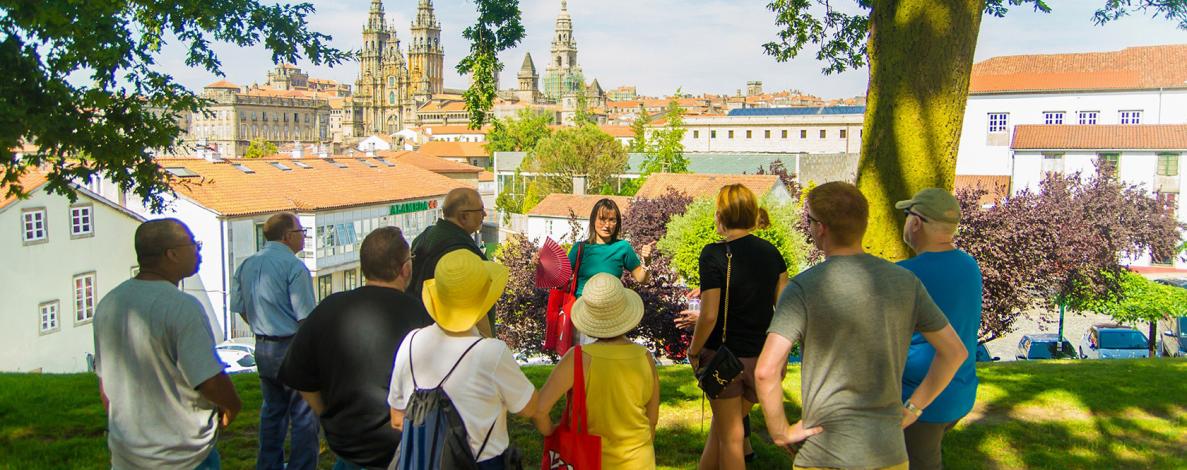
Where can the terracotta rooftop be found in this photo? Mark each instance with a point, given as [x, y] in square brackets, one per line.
[231, 192]
[700, 185]
[29, 182]
[1100, 137]
[222, 84]
[559, 205]
[1147, 67]
[459, 129]
[618, 131]
[442, 148]
[486, 176]
[998, 186]
[438, 106]
[429, 162]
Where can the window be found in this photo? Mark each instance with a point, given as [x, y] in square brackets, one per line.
[712, 134]
[823, 133]
[325, 286]
[1106, 163]
[784, 133]
[844, 133]
[1053, 117]
[349, 280]
[84, 297]
[264, 114]
[33, 226]
[1053, 163]
[1131, 117]
[82, 221]
[48, 316]
[803, 133]
[747, 134]
[730, 134]
[766, 134]
[998, 122]
[696, 134]
[1168, 164]
[1088, 117]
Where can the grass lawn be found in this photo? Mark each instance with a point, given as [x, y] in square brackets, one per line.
[1069, 414]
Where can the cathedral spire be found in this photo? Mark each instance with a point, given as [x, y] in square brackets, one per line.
[375, 16]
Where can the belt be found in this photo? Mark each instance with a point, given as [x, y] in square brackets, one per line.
[273, 338]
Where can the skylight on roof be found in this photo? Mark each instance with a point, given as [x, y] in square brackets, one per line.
[385, 162]
[243, 168]
[369, 164]
[302, 165]
[181, 172]
[280, 166]
[335, 162]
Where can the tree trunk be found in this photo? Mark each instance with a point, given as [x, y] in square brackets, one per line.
[921, 56]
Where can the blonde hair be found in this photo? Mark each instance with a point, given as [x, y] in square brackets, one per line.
[737, 208]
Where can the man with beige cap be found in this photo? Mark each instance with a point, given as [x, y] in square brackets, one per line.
[486, 381]
[622, 387]
[953, 279]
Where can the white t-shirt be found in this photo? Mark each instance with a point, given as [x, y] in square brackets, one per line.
[486, 385]
[153, 347]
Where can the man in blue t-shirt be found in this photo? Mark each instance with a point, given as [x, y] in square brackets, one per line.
[953, 279]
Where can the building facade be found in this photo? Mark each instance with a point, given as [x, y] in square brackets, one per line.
[426, 56]
[563, 76]
[828, 130]
[236, 117]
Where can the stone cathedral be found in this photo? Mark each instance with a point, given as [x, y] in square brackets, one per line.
[390, 88]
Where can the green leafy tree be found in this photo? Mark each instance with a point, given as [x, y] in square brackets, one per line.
[260, 148]
[688, 233]
[519, 133]
[639, 128]
[498, 27]
[664, 149]
[581, 115]
[1141, 300]
[920, 54]
[575, 151]
[80, 75]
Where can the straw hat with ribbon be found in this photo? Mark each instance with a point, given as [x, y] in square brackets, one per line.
[463, 289]
[606, 309]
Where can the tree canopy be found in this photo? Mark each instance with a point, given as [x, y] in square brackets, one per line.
[519, 133]
[260, 148]
[84, 87]
[498, 27]
[574, 151]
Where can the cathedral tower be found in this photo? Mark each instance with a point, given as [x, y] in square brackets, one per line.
[382, 90]
[563, 76]
[426, 57]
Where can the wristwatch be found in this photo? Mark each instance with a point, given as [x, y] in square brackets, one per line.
[915, 410]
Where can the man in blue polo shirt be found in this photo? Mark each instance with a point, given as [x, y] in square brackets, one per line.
[953, 280]
[273, 291]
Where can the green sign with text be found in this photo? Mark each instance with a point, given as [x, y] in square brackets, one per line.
[406, 207]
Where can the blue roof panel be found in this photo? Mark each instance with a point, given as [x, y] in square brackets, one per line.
[798, 111]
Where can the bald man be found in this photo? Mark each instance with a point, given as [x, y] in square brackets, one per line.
[463, 214]
[162, 385]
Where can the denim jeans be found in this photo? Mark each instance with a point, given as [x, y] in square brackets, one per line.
[212, 462]
[282, 406]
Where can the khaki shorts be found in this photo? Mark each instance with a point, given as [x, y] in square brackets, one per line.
[901, 466]
[743, 386]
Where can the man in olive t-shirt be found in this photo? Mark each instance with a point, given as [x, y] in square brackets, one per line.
[855, 314]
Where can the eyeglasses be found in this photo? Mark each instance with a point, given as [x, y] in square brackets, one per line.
[811, 219]
[481, 209]
[909, 213]
[302, 230]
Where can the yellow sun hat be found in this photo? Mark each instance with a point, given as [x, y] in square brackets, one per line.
[463, 289]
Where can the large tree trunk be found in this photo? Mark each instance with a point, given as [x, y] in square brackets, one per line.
[921, 56]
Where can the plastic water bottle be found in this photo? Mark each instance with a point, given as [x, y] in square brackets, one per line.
[694, 304]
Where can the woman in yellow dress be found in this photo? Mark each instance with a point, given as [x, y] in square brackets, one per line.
[621, 384]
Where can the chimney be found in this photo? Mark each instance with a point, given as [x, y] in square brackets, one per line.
[298, 151]
[322, 152]
[371, 149]
[579, 185]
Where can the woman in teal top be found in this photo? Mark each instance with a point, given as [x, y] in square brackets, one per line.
[604, 252]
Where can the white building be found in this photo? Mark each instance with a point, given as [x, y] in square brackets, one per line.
[60, 258]
[452, 133]
[831, 130]
[1146, 155]
[1137, 85]
[340, 199]
[556, 214]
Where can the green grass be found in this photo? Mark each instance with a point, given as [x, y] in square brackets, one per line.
[1070, 414]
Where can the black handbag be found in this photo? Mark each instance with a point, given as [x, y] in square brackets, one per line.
[724, 367]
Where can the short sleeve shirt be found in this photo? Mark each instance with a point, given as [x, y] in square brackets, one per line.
[609, 258]
[754, 276]
[855, 316]
[486, 385]
[153, 347]
[345, 351]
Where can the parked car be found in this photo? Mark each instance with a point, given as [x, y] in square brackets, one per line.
[983, 354]
[1041, 346]
[240, 358]
[1174, 337]
[1113, 342]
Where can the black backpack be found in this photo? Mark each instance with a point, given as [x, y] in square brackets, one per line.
[434, 435]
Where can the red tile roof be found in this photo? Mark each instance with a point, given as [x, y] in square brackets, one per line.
[618, 131]
[559, 205]
[437, 130]
[442, 148]
[222, 84]
[1148, 67]
[29, 182]
[1100, 137]
[429, 162]
[704, 185]
[998, 186]
[231, 192]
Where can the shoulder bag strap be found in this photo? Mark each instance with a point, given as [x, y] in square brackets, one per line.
[729, 264]
[412, 368]
[455, 364]
[578, 408]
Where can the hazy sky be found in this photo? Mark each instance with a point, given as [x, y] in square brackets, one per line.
[658, 45]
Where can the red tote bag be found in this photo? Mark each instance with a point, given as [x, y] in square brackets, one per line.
[558, 326]
[571, 446]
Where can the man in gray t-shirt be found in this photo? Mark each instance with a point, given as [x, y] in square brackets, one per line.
[160, 381]
[854, 315]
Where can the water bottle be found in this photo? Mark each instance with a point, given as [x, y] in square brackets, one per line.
[694, 304]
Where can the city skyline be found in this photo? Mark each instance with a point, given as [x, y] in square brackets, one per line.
[707, 46]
